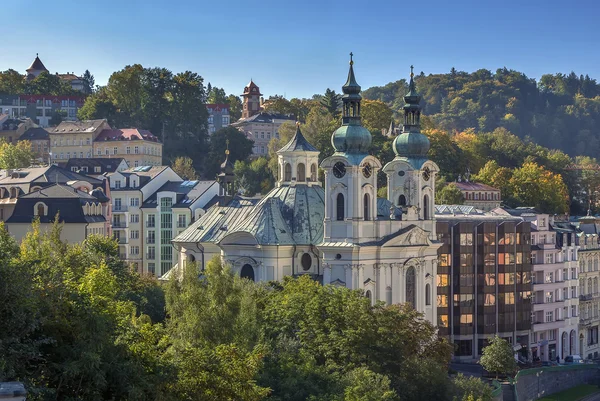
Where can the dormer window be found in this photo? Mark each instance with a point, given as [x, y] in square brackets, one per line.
[97, 169]
[40, 209]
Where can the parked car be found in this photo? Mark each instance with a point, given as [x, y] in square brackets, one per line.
[573, 359]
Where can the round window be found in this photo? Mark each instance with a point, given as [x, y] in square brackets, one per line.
[401, 173]
[306, 261]
[338, 256]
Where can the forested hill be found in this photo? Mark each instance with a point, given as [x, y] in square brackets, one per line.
[560, 111]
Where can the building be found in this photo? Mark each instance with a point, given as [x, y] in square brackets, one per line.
[251, 100]
[130, 188]
[166, 213]
[74, 139]
[483, 279]
[218, 117]
[11, 128]
[260, 128]
[96, 166]
[555, 280]
[37, 67]
[40, 143]
[480, 196]
[589, 297]
[41, 108]
[340, 234]
[137, 146]
[80, 213]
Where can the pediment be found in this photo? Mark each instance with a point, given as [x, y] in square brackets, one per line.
[409, 236]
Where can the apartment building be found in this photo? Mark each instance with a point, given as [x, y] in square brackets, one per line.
[74, 139]
[130, 188]
[483, 279]
[137, 146]
[260, 128]
[11, 128]
[166, 213]
[40, 143]
[218, 117]
[96, 166]
[478, 195]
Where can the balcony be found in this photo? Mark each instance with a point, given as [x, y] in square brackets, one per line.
[150, 224]
[586, 297]
[119, 208]
[119, 224]
[181, 225]
[123, 256]
[122, 241]
[540, 326]
[151, 240]
[150, 256]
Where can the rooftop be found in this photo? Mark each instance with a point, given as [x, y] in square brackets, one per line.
[127, 134]
[107, 165]
[34, 134]
[474, 186]
[77, 126]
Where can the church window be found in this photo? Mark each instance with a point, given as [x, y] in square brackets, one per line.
[287, 172]
[306, 262]
[410, 286]
[247, 272]
[427, 294]
[340, 207]
[313, 172]
[301, 172]
[402, 200]
[426, 207]
[369, 296]
[366, 207]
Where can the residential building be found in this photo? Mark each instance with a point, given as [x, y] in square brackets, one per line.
[480, 196]
[41, 108]
[80, 213]
[13, 106]
[37, 67]
[96, 166]
[40, 143]
[251, 103]
[483, 279]
[11, 128]
[166, 214]
[137, 146]
[74, 139]
[77, 83]
[130, 188]
[554, 288]
[339, 234]
[589, 297]
[218, 116]
[260, 128]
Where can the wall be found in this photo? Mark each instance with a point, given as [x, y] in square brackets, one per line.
[532, 384]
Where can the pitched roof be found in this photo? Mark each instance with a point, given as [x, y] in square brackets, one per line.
[77, 127]
[298, 143]
[474, 186]
[145, 171]
[130, 134]
[264, 118]
[69, 77]
[107, 165]
[186, 192]
[59, 191]
[37, 65]
[34, 134]
[47, 174]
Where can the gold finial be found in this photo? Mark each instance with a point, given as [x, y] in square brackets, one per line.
[351, 62]
[297, 123]
[412, 74]
[227, 150]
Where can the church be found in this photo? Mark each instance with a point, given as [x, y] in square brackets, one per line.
[339, 233]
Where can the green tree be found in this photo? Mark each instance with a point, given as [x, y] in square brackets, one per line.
[240, 148]
[471, 388]
[19, 155]
[48, 84]
[98, 106]
[448, 194]
[253, 177]
[11, 82]
[331, 101]
[375, 114]
[57, 117]
[216, 96]
[498, 357]
[88, 82]
[184, 167]
[235, 107]
[365, 385]
[535, 186]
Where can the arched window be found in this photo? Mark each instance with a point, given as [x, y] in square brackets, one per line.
[367, 207]
[572, 350]
[590, 265]
[388, 295]
[402, 200]
[595, 285]
[410, 286]
[427, 294]
[247, 272]
[565, 344]
[339, 203]
[306, 262]
[301, 172]
[582, 287]
[595, 265]
[369, 296]
[589, 286]
[426, 207]
[287, 172]
[313, 172]
[41, 209]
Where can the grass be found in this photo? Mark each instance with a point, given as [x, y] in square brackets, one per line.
[572, 394]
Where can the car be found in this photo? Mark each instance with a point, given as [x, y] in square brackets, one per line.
[573, 359]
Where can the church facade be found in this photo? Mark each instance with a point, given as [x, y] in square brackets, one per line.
[339, 233]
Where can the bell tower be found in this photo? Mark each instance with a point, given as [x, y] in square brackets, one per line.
[251, 101]
[298, 161]
[226, 179]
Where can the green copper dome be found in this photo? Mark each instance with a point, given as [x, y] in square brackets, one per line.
[411, 144]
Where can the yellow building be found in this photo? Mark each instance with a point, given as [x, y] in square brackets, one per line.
[137, 146]
[74, 139]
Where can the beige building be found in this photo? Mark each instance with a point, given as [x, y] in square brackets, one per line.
[480, 196]
[260, 128]
[74, 139]
[137, 146]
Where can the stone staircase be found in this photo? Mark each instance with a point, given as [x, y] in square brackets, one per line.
[508, 392]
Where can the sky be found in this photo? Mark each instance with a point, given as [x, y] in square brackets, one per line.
[298, 49]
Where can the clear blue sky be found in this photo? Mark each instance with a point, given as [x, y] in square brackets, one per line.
[301, 48]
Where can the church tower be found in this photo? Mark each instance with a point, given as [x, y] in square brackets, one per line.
[226, 179]
[36, 68]
[251, 102]
[411, 175]
[298, 161]
[350, 174]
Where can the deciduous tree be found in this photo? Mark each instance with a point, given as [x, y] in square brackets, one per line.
[498, 357]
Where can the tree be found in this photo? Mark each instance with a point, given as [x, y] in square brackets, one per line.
[98, 106]
[11, 82]
[498, 357]
[471, 388]
[216, 96]
[365, 385]
[19, 155]
[48, 84]
[448, 194]
[88, 82]
[240, 148]
[184, 167]
[375, 115]
[253, 177]
[57, 117]
[331, 101]
[446, 154]
[535, 186]
[235, 107]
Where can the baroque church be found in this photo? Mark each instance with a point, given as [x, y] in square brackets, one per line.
[340, 234]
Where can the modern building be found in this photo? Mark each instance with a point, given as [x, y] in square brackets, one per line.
[96, 166]
[130, 188]
[80, 213]
[218, 117]
[260, 128]
[483, 279]
[40, 143]
[166, 214]
[74, 139]
[340, 234]
[41, 108]
[251, 103]
[480, 196]
[137, 146]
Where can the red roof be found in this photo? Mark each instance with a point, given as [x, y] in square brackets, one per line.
[55, 99]
[474, 186]
[127, 134]
[217, 107]
[252, 89]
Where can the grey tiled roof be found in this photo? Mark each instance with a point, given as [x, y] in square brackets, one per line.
[298, 143]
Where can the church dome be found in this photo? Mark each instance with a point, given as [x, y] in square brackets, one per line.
[411, 144]
[351, 139]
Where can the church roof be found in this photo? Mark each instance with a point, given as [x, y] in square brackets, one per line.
[298, 143]
[37, 65]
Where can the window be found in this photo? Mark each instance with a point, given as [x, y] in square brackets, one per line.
[444, 259]
[573, 292]
[41, 209]
[442, 300]
[134, 234]
[549, 317]
[340, 207]
[550, 258]
[247, 272]
[106, 151]
[134, 218]
[366, 203]
[306, 262]
[150, 222]
[313, 172]
[574, 311]
[128, 150]
[466, 319]
[301, 172]
[151, 254]
[443, 320]
[442, 280]
[427, 294]
[151, 237]
[426, 207]
[402, 200]
[573, 273]
[182, 220]
[134, 250]
[466, 239]
[489, 299]
[115, 149]
[117, 184]
[136, 150]
[287, 172]
[411, 286]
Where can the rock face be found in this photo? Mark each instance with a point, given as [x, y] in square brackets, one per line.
[12, 391]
